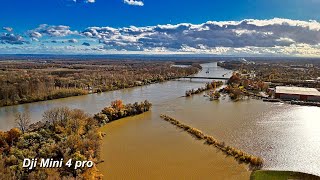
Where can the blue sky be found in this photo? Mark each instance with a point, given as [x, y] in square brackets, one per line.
[78, 16]
[115, 13]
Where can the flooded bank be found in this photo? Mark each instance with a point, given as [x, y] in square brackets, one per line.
[286, 136]
[146, 147]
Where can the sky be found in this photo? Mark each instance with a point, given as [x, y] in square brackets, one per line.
[218, 27]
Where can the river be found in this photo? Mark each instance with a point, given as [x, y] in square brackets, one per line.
[286, 136]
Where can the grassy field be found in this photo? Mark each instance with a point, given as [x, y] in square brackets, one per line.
[281, 175]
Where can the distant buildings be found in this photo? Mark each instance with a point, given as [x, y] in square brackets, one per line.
[297, 93]
[302, 66]
[244, 61]
[309, 65]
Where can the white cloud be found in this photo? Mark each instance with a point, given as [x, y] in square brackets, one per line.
[84, 1]
[13, 39]
[52, 31]
[9, 29]
[134, 2]
[35, 39]
[72, 41]
[34, 34]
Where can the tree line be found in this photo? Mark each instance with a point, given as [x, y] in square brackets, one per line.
[31, 81]
[208, 86]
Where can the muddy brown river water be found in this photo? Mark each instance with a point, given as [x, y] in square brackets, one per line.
[286, 136]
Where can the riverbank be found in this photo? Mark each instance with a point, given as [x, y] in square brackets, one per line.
[57, 94]
[66, 93]
[281, 175]
[208, 86]
[33, 81]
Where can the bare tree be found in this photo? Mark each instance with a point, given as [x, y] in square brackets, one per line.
[58, 115]
[22, 121]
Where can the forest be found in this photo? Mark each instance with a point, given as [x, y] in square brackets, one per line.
[24, 81]
[64, 134]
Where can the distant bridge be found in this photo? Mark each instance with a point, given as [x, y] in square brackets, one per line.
[216, 78]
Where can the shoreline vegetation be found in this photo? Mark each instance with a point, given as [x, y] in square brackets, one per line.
[208, 86]
[64, 134]
[39, 80]
[254, 162]
[281, 175]
[118, 110]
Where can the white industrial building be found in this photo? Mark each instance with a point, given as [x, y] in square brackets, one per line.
[297, 93]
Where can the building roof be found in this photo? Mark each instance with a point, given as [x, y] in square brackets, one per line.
[297, 90]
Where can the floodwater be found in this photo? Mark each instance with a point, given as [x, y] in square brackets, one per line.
[286, 136]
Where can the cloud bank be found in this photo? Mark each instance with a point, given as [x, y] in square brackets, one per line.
[211, 36]
[247, 37]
